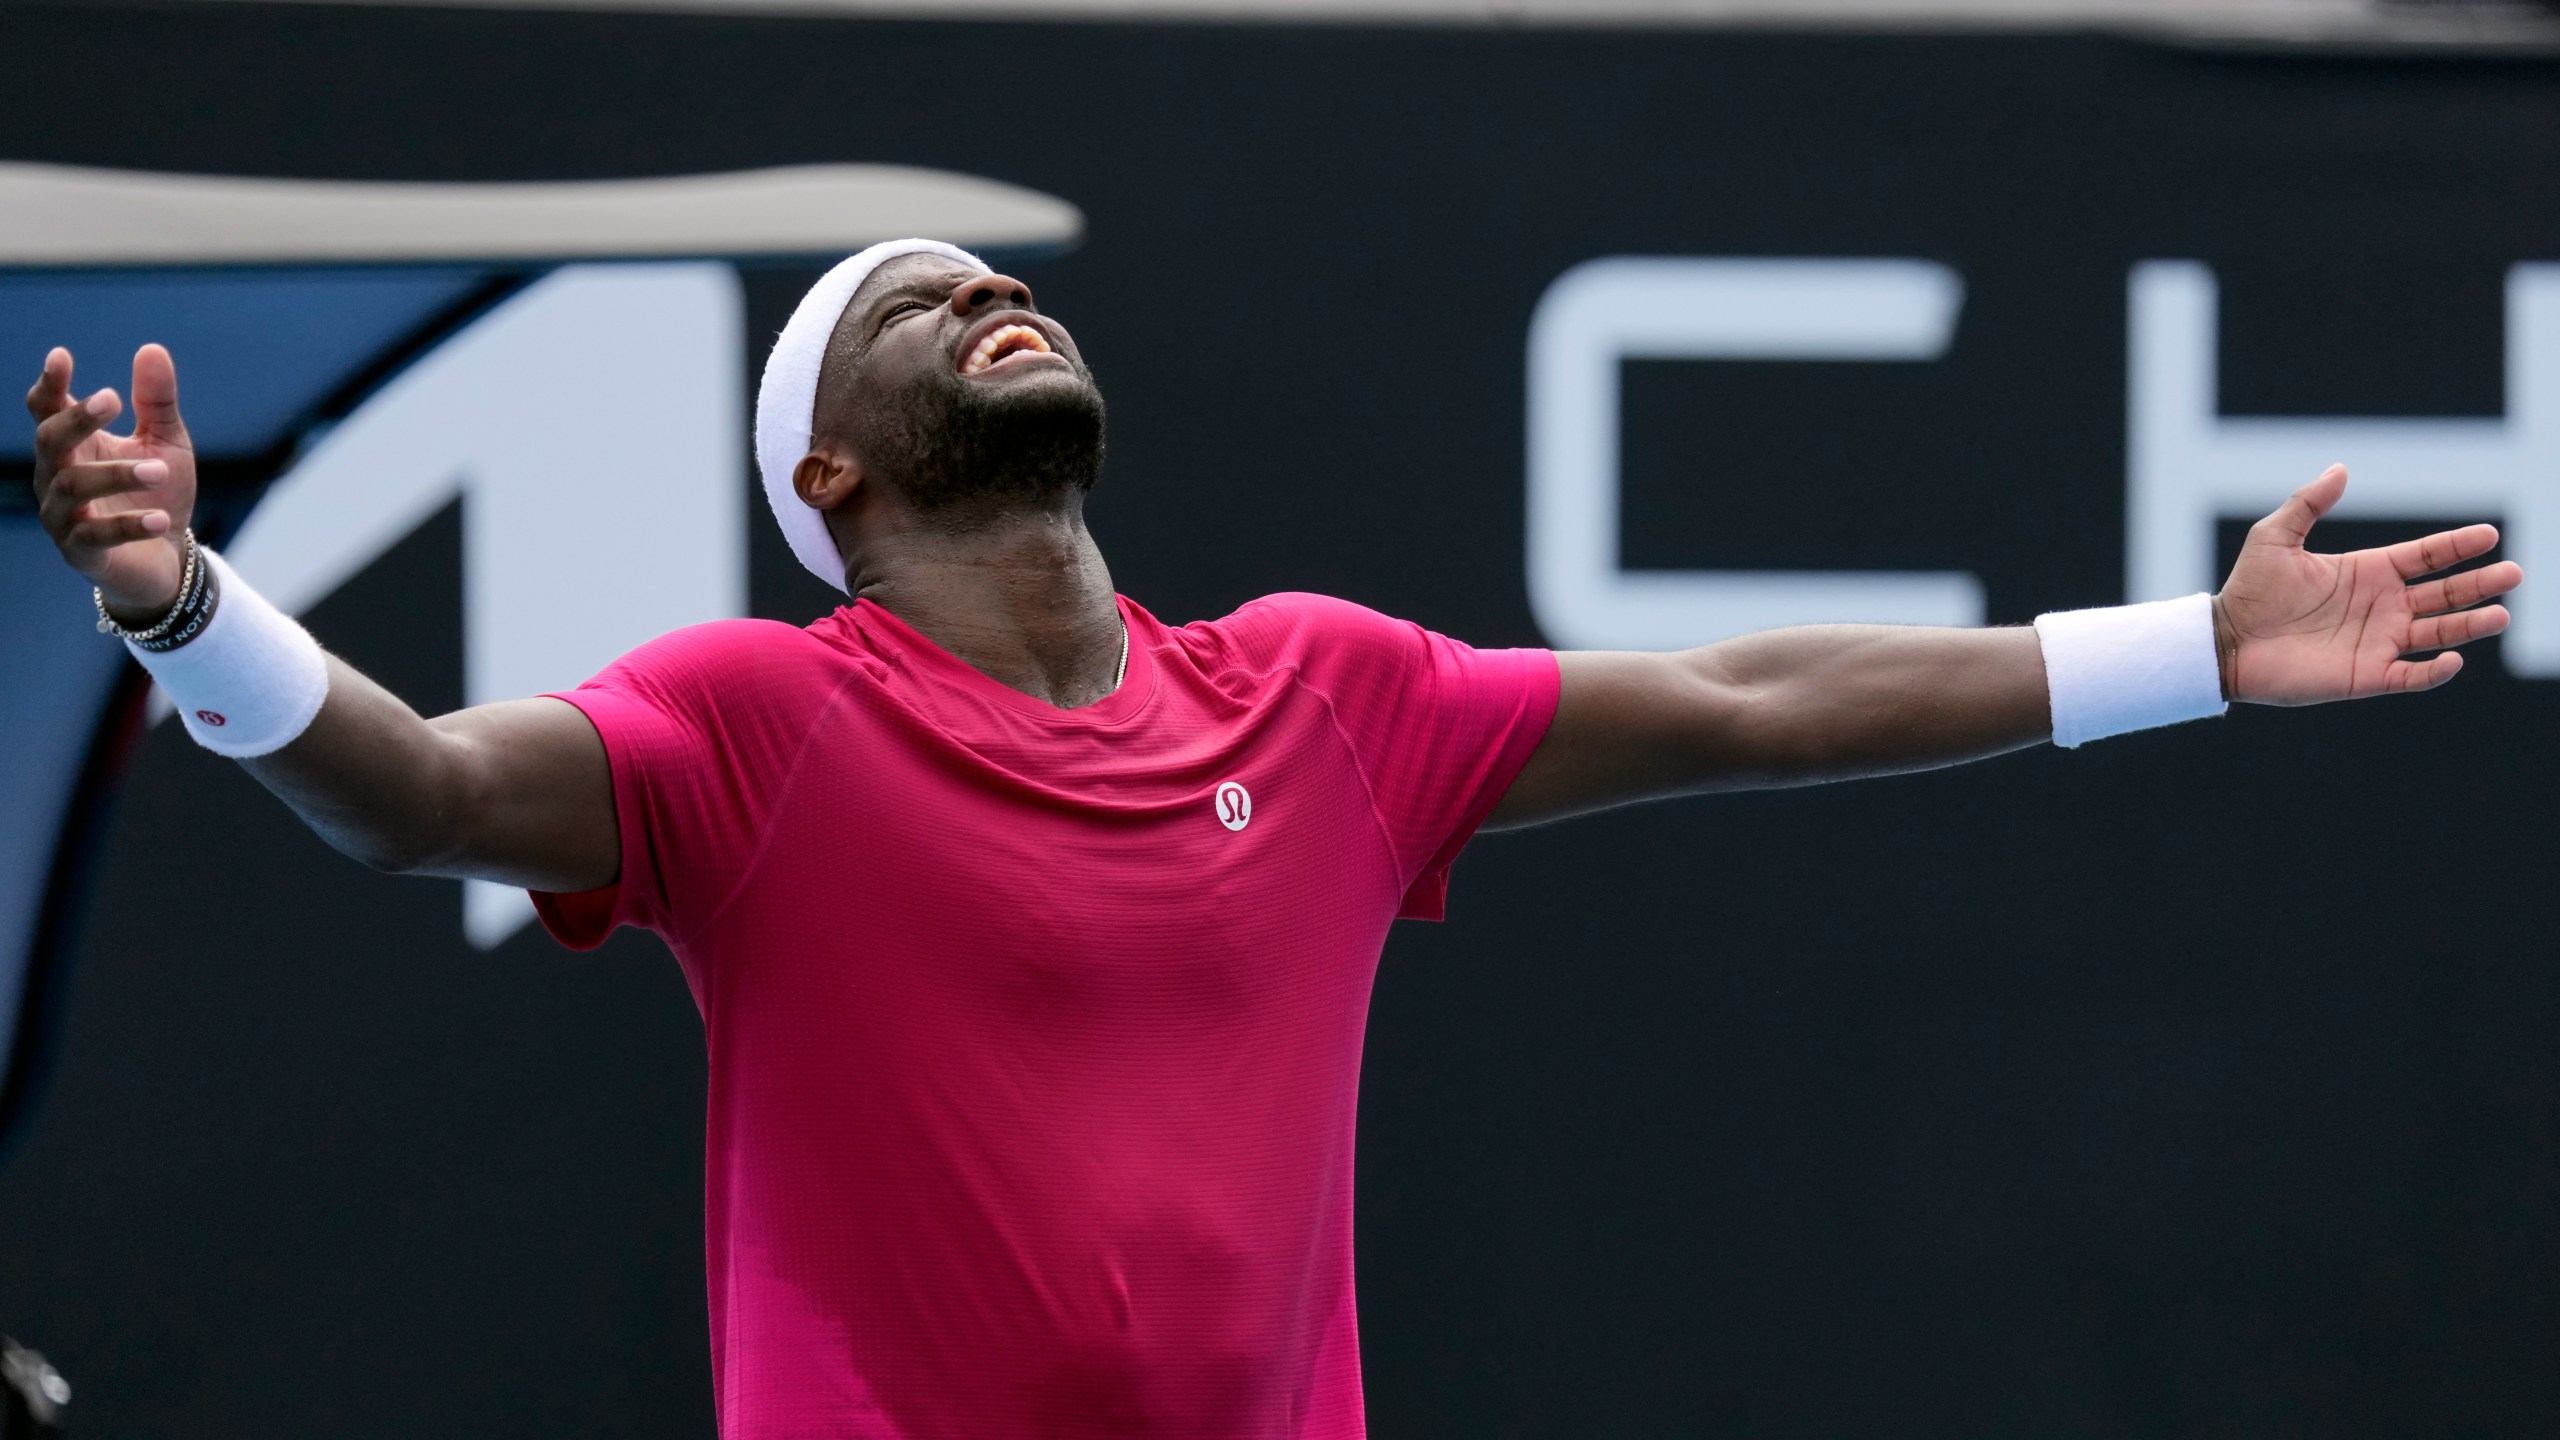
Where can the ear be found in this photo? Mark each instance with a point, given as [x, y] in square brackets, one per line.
[825, 479]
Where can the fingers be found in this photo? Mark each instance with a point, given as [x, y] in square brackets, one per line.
[52, 389]
[2441, 632]
[2292, 521]
[2407, 677]
[61, 432]
[101, 532]
[77, 485]
[2443, 550]
[69, 507]
[155, 394]
[2460, 592]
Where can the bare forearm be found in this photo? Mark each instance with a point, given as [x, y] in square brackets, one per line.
[1785, 707]
[517, 792]
[1836, 702]
[370, 776]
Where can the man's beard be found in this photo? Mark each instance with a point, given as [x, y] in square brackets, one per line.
[964, 455]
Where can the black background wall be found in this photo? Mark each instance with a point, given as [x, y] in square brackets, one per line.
[2201, 1082]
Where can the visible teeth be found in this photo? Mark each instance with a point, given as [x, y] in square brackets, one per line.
[1004, 338]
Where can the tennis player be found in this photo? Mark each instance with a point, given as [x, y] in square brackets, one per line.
[1033, 936]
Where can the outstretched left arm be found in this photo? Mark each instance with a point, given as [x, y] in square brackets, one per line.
[1835, 702]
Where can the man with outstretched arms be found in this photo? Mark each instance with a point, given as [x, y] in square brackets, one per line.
[1033, 936]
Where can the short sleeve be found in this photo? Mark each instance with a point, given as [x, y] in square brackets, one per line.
[694, 728]
[1439, 727]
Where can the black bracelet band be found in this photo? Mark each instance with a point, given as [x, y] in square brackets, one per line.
[192, 617]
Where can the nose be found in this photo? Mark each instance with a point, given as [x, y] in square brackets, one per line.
[988, 292]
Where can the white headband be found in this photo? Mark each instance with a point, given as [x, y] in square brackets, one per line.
[787, 401]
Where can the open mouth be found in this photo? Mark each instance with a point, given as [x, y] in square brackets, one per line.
[1005, 345]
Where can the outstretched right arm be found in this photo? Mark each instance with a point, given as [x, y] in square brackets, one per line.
[518, 792]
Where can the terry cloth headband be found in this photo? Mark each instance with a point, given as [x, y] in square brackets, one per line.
[787, 400]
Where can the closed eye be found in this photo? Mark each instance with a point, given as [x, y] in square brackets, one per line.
[883, 319]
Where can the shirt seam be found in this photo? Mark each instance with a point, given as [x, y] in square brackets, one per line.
[790, 772]
[1359, 765]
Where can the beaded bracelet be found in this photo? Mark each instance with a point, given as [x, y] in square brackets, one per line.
[197, 596]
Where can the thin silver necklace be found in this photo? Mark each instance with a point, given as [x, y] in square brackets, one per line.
[1123, 672]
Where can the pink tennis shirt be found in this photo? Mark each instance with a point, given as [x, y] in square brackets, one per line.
[1035, 1033]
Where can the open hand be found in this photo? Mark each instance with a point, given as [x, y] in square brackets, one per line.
[115, 504]
[2297, 628]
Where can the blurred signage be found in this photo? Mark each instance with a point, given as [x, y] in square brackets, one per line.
[2192, 466]
[593, 428]
[2189, 466]
[1605, 312]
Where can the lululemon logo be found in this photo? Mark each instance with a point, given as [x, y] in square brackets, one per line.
[1235, 807]
[211, 717]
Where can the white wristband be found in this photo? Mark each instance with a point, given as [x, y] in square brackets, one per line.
[2130, 667]
[249, 683]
